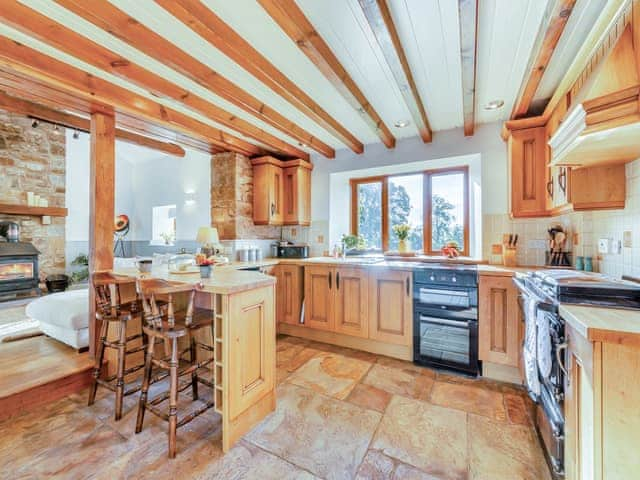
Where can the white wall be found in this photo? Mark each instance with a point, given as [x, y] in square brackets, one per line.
[144, 178]
[485, 152]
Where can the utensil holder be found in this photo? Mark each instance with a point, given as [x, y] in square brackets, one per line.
[509, 256]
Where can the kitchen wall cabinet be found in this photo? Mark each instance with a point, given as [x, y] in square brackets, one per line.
[539, 189]
[602, 394]
[391, 307]
[289, 293]
[297, 195]
[281, 191]
[528, 172]
[267, 194]
[498, 321]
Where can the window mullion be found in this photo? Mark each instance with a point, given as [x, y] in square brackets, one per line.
[385, 214]
[426, 208]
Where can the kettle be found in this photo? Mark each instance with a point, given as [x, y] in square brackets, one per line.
[10, 231]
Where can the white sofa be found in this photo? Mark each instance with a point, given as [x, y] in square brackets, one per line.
[63, 316]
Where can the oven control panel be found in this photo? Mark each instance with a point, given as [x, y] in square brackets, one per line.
[453, 277]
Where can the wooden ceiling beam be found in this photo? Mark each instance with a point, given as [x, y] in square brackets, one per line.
[34, 110]
[20, 58]
[468, 13]
[30, 89]
[295, 24]
[379, 18]
[212, 28]
[553, 23]
[109, 18]
[47, 30]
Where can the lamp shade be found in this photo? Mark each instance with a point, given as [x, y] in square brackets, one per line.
[207, 236]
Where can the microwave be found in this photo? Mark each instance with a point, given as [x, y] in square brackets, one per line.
[293, 251]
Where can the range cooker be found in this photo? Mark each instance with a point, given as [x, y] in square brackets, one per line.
[547, 289]
[445, 309]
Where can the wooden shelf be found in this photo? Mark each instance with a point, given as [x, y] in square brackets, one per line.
[10, 209]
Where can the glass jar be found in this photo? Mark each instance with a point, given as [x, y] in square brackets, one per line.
[182, 263]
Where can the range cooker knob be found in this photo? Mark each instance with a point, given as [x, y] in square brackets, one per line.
[432, 278]
[454, 279]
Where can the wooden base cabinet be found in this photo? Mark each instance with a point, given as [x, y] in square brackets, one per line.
[336, 299]
[289, 293]
[351, 302]
[602, 395]
[498, 321]
[391, 307]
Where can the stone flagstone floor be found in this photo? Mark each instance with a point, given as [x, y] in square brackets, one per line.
[341, 414]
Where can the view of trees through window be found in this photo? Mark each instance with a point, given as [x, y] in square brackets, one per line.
[370, 213]
[406, 205]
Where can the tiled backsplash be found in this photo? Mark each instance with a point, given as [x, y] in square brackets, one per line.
[533, 239]
[613, 225]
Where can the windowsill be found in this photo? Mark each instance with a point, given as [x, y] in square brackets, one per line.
[153, 243]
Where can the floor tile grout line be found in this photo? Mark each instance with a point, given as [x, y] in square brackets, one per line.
[289, 462]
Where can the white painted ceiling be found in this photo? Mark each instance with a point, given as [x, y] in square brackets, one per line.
[429, 32]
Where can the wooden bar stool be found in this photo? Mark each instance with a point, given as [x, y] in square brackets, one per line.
[169, 325]
[111, 311]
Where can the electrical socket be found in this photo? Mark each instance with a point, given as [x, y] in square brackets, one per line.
[626, 239]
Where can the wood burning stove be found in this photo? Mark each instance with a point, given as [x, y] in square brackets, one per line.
[18, 268]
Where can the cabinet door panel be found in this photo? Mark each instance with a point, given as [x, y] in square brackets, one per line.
[290, 292]
[529, 172]
[498, 321]
[252, 364]
[318, 287]
[390, 307]
[351, 297]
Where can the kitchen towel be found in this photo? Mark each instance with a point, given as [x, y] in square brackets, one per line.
[530, 346]
[544, 344]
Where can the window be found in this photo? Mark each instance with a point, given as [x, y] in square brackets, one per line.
[163, 225]
[434, 204]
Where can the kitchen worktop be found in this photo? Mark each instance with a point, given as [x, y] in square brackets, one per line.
[224, 280]
[603, 324]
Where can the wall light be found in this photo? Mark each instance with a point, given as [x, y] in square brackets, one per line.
[190, 198]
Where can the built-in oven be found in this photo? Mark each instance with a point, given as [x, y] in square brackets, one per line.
[446, 318]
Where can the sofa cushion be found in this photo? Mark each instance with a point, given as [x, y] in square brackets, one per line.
[65, 309]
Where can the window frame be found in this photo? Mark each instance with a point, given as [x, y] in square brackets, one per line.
[427, 176]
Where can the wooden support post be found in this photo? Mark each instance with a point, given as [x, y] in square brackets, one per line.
[101, 206]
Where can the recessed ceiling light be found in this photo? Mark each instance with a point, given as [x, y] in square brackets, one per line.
[303, 145]
[402, 123]
[494, 105]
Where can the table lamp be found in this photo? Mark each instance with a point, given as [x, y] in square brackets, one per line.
[208, 238]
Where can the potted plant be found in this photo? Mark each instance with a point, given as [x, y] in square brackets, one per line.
[205, 267]
[402, 232]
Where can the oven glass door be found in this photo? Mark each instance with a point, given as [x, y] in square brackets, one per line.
[444, 297]
[446, 340]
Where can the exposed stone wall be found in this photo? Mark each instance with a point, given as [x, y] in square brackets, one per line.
[232, 199]
[33, 160]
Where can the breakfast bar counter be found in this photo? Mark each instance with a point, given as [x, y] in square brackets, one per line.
[244, 339]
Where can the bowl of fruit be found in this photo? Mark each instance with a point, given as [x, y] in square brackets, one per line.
[451, 250]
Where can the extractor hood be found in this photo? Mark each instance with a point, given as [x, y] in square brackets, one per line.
[603, 126]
